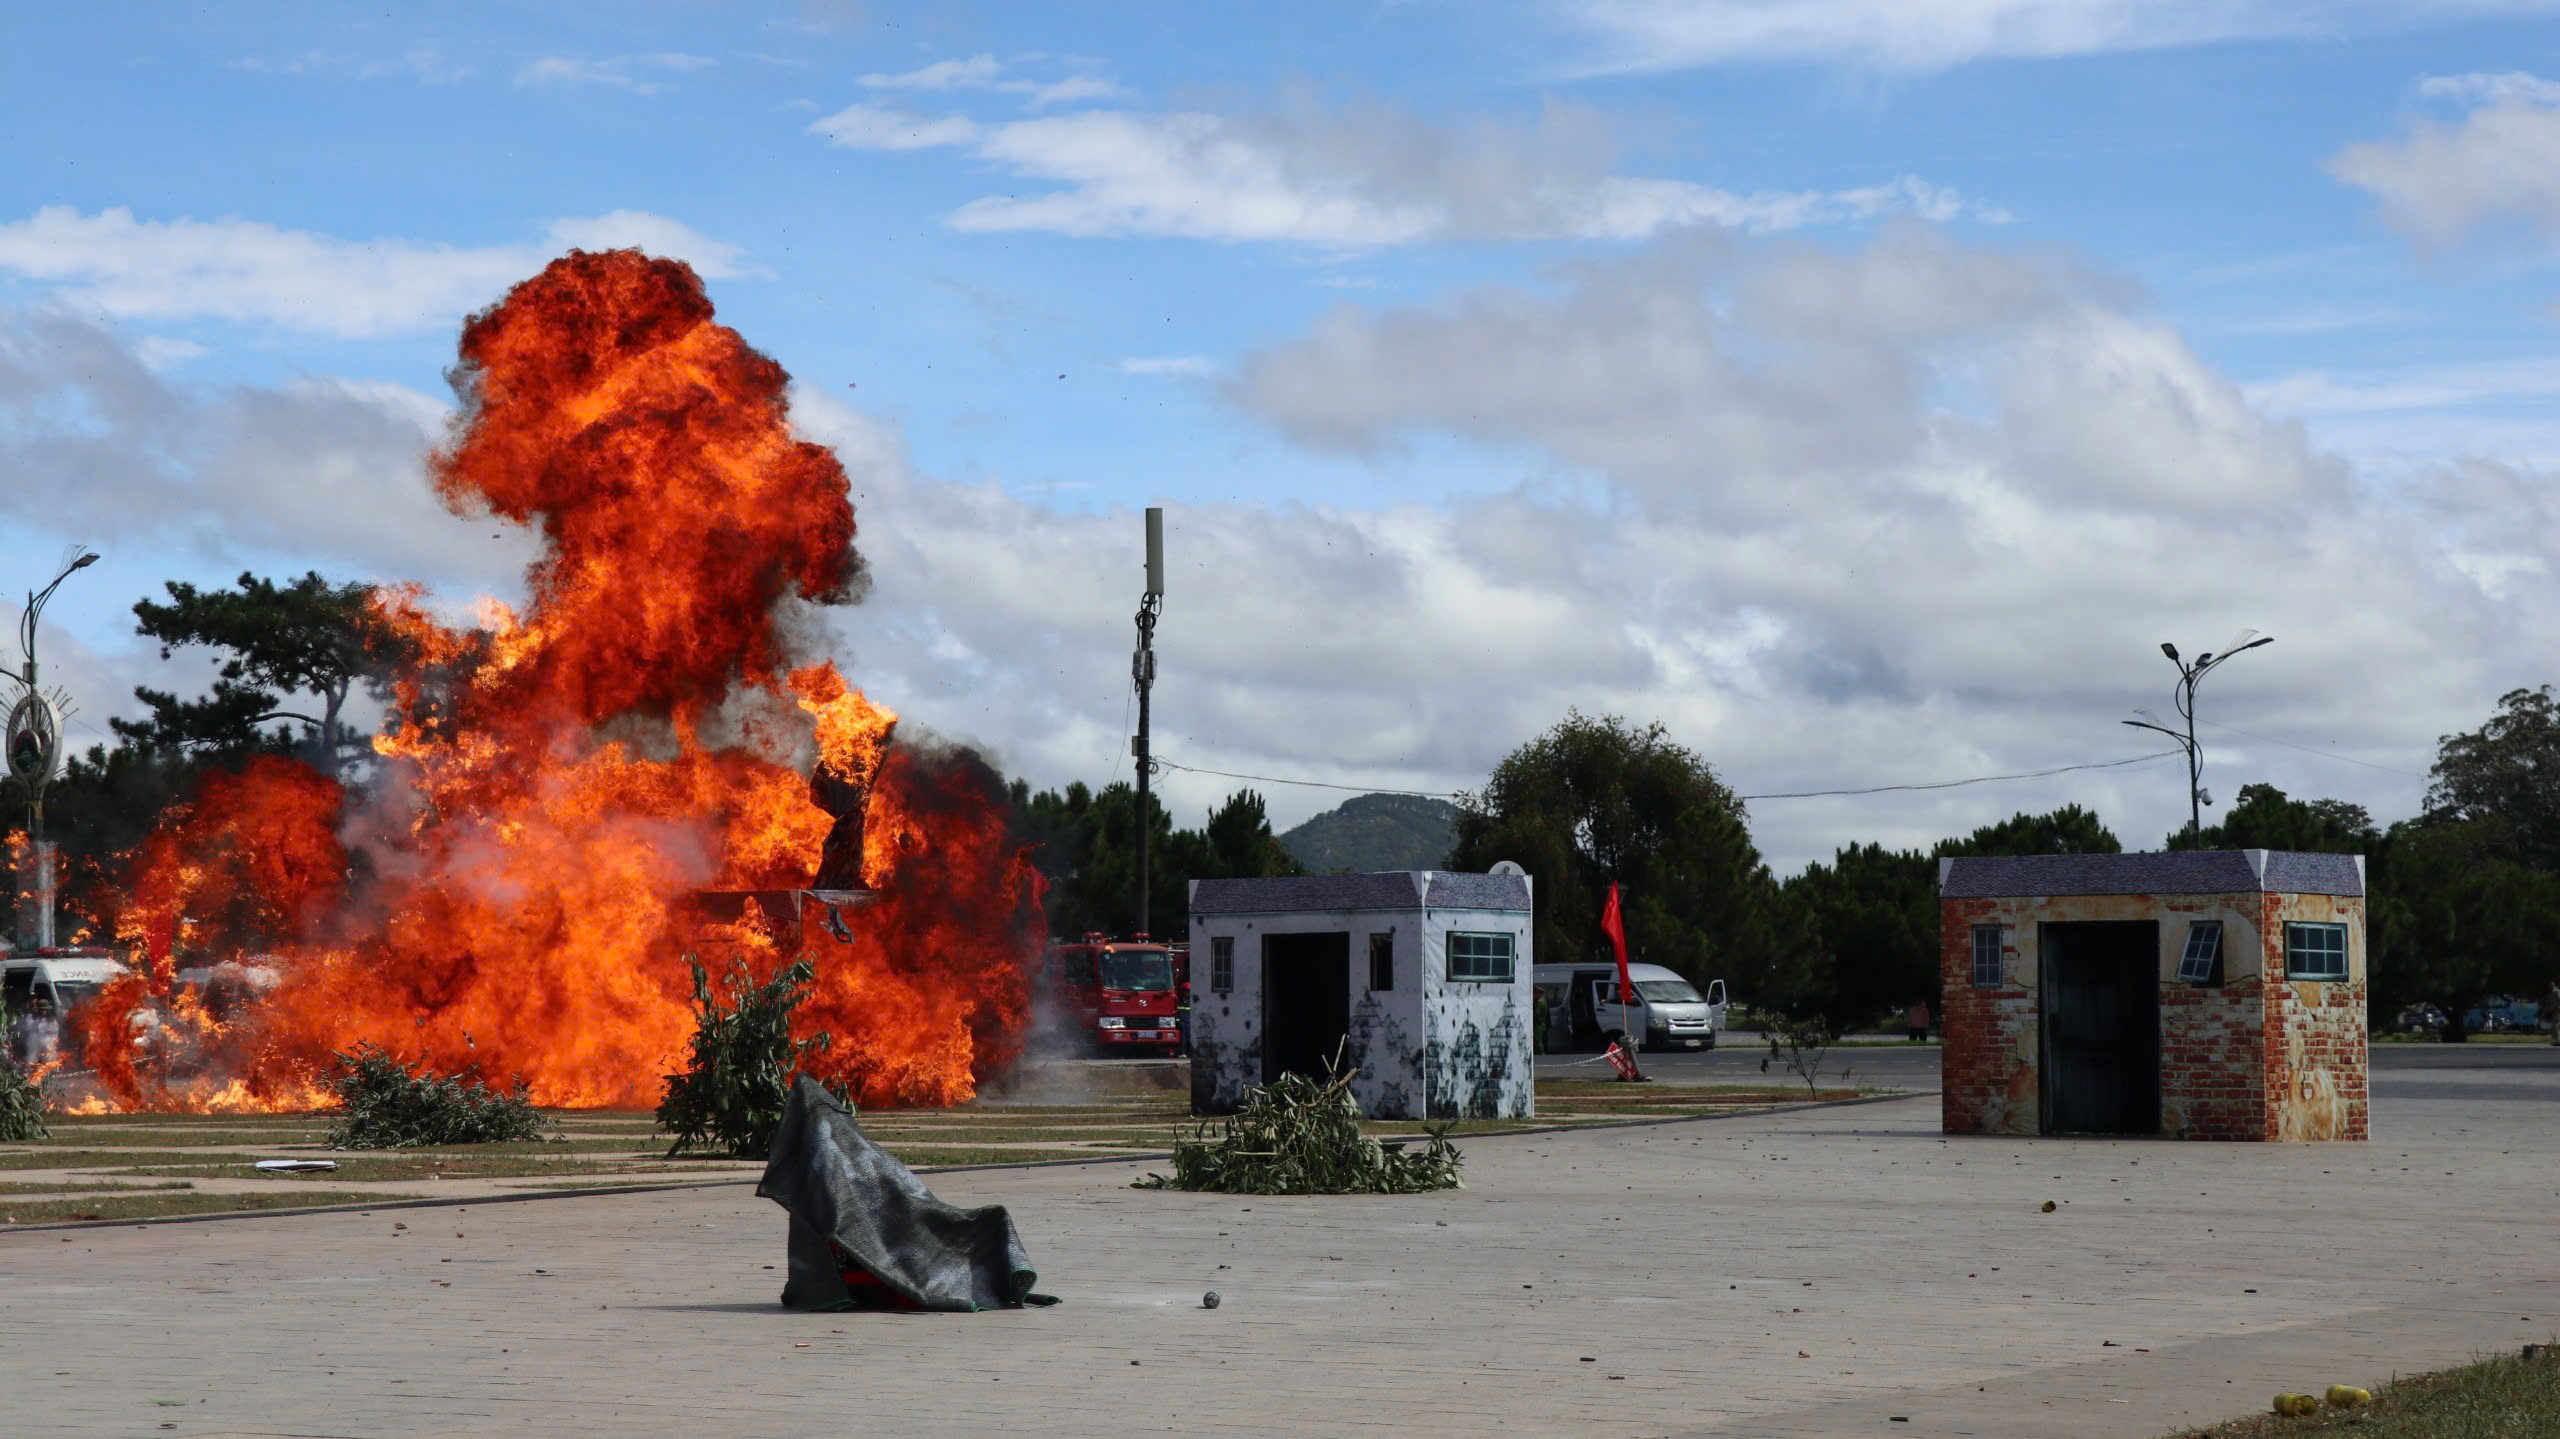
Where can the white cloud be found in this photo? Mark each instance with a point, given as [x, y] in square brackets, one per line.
[2481, 88]
[1344, 177]
[163, 352]
[1658, 35]
[1934, 507]
[640, 74]
[975, 73]
[238, 269]
[1184, 365]
[1908, 512]
[427, 67]
[101, 448]
[986, 72]
[2501, 162]
[654, 234]
[878, 127]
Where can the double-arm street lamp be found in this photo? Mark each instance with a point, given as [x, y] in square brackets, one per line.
[33, 743]
[2189, 672]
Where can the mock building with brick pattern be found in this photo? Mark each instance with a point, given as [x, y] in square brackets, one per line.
[2193, 995]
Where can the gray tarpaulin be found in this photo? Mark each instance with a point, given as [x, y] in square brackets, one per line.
[856, 1211]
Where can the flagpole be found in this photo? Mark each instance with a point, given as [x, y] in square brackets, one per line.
[1613, 924]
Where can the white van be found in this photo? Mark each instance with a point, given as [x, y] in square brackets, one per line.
[1669, 1012]
[42, 994]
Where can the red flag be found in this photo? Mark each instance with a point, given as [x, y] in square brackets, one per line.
[1611, 926]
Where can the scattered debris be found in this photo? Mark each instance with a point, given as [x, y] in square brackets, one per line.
[1297, 1136]
[2296, 1405]
[2347, 1396]
[296, 1166]
[1209, 1300]
[389, 1104]
[2048, 1208]
[865, 1232]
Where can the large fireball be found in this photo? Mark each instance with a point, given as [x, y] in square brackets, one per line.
[516, 889]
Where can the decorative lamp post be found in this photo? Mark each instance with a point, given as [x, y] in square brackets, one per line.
[2188, 674]
[33, 749]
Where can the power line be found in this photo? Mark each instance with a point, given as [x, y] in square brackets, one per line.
[1308, 783]
[1977, 779]
[1794, 794]
[2307, 749]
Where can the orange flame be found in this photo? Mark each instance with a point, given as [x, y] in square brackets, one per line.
[514, 892]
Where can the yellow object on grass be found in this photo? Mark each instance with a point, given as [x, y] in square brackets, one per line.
[2297, 1404]
[2347, 1396]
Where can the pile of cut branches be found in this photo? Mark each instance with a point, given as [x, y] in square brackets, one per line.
[730, 1098]
[21, 1103]
[1296, 1135]
[388, 1103]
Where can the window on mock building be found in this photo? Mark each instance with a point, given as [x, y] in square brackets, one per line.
[1222, 964]
[2315, 951]
[1988, 941]
[1382, 961]
[2202, 961]
[1483, 958]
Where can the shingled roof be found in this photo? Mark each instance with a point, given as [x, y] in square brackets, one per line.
[1393, 889]
[2224, 871]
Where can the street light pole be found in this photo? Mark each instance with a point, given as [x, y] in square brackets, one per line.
[2189, 673]
[1142, 673]
[34, 744]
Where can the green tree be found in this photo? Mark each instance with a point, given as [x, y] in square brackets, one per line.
[1871, 919]
[2459, 917]
[2265, 818]
[2068, 830]
[1595, 800]
[1086, 846]
[308, 638]
[2508, 768]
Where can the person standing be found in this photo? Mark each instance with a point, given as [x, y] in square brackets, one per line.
[1917, 1017]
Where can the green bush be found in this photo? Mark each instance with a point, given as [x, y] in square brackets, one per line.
[730, 1098]
[389, 1104]
[21, 1105]
[1296, 1135]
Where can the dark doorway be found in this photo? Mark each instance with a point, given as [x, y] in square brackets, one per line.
[2100, 994]
[1306, 1002]
[1586, 1021]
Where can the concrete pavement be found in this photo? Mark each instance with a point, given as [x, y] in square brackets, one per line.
[1803, 1273]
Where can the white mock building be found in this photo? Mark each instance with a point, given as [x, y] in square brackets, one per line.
[1421, 978]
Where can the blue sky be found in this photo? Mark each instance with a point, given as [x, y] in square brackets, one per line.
[1861, 388]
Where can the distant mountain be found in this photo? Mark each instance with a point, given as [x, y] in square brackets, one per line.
[1376, 832]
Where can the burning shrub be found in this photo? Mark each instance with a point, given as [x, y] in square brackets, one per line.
[729, 1100]
[1296, 1136]
[389, 1104]
[21, 1104]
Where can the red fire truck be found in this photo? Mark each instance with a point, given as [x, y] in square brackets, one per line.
[1118, 996]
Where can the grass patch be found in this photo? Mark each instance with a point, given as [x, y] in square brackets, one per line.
[109, 1158]
[1693, 1096]
[372, 1167]
[38, 1186]
[181, 1139]
[162, 1205]
[920, 1157]
[2508, 1398]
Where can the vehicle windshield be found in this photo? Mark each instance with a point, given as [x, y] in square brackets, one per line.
[1147, 969]
[73, 994]
[1669, 991]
